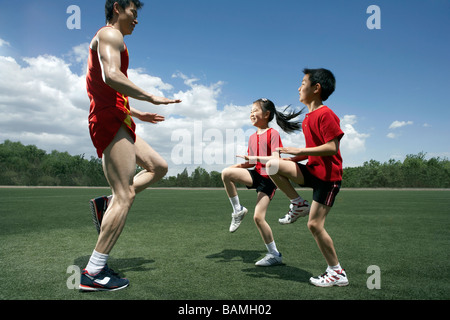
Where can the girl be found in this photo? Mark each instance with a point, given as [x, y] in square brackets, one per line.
[262, 147]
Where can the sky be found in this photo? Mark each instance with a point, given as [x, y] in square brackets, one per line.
[219, 56]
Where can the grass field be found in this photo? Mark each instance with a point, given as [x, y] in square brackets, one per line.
[176, 246]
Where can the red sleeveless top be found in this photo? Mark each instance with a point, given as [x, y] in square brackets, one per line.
[109, 109]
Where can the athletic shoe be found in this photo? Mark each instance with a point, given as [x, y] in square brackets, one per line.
[105, 280]
[269, 260]
[236, 219]
[98, 208]
[296, 210]
[330, 278]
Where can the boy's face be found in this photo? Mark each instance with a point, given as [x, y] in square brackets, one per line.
[306, 91]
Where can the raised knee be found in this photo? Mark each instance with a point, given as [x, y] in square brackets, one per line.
[163, 168]
[226, 174]
[272, 167]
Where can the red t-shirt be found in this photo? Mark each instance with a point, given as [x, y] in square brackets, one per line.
[109, 109]
[263, 145]
[319, 127]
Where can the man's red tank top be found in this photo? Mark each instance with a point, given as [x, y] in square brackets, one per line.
[100, 94]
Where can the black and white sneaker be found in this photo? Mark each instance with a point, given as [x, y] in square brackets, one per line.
[105, 280]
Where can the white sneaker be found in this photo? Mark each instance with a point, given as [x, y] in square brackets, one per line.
[330, 278]
[269, 260]
[296, 210]
[236, 219]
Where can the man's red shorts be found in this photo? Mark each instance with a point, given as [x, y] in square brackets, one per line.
[104, 125]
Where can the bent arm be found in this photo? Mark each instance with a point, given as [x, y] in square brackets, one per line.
[330, 148]
[110, 46]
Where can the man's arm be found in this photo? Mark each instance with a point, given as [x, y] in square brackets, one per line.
[110, 45]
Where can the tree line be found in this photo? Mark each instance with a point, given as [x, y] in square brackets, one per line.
[22, 165]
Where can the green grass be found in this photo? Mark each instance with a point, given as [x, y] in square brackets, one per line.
[176, 246]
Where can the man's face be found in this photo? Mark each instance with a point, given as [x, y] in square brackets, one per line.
[127, 18]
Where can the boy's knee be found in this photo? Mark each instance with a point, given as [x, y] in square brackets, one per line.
[313, 227]
[258, 219]
[272, 167]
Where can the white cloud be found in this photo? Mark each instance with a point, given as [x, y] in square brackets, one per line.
[4, 43]
[398, 124]
[392, 135]
[44, 102]
[353, 141]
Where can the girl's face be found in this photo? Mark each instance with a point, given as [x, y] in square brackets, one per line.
[258, 117]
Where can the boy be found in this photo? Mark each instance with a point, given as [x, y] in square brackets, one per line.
[323, 172]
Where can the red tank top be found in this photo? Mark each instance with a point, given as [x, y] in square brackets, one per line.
[100, 94]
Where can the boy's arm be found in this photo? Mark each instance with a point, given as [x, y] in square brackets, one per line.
[110, 45]
[330, 148]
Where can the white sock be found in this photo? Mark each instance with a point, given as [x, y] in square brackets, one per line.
[297, 200]
[96, 263]
[335, 268]
[272, 248]
[235, 203]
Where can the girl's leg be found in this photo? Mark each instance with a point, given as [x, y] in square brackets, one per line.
[231, 176]
[262, 203]
[273, 257]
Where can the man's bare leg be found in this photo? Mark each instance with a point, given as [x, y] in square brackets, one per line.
[119, 165]
[155, 167]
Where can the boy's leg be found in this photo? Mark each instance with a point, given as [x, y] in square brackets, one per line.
[316, 225]
[282, 172]
[334, 275]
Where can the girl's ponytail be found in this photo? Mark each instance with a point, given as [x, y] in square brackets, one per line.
[283, 119]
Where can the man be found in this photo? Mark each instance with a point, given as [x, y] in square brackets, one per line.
[112, 130]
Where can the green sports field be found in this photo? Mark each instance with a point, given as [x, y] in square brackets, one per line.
[176, 246]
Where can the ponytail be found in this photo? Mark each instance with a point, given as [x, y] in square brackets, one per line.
[283, 119]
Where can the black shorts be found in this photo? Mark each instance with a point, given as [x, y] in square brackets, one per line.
[262, 184]
[324, 192]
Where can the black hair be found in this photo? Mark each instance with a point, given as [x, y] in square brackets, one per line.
[109, 7]
[325, 78]
[283, 119]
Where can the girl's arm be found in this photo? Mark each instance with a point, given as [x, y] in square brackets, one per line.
[263, 159]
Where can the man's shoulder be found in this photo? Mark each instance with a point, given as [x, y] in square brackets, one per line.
[111, 36]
